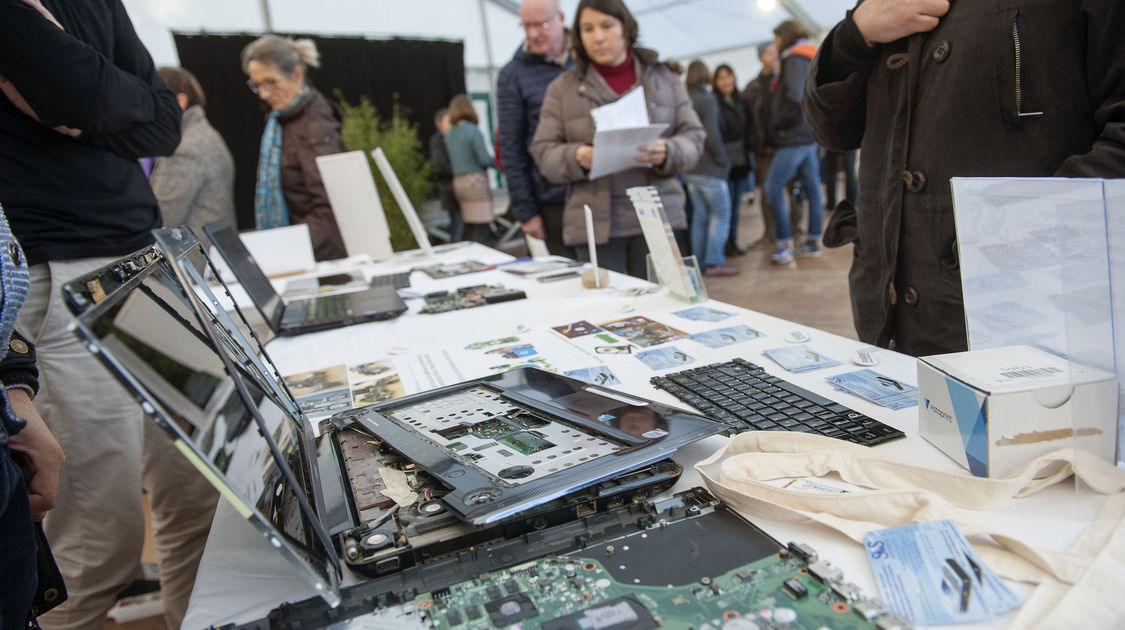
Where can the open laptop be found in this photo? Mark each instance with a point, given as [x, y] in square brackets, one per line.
[303, 315]
[383, 488]
[355, 203]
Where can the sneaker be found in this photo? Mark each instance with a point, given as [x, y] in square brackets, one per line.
[783, 255]
[720, 270]
[809, 249]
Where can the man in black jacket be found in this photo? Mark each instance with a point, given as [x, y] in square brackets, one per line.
[536, 203]
[932, 89]
[81, 102]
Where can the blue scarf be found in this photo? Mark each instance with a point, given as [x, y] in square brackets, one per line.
[269, 201]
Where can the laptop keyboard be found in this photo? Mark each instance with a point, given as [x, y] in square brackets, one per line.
[746, 397]
[400, 280]
[328, 307]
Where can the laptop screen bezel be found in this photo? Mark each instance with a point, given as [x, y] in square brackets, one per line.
[237, 256]
[319, 564]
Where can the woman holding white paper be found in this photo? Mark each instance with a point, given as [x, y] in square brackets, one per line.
[607, 64]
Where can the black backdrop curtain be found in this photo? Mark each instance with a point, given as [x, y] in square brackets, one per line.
[422, 75]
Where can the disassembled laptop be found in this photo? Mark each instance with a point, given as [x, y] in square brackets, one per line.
[524, 497]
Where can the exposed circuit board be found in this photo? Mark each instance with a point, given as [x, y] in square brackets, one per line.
[482, 428]
[469, 297]
[694, 574]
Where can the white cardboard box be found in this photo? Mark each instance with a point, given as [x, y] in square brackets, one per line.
[996, 410]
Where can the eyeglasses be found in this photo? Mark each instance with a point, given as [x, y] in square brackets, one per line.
[533, 26]
[256, 87]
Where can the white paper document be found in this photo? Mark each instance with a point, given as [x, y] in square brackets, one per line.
[627, 111]
[616, 150]
[622, 128]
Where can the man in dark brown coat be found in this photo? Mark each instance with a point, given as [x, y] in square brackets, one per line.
[931, 90]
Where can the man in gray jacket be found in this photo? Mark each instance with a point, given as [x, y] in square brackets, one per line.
[930, 90]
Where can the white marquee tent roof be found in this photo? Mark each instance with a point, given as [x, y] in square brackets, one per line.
[716, 30]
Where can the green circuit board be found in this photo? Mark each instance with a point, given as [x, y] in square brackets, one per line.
[575, 592]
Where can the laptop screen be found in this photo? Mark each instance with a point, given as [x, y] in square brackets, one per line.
[225, 239]
[201, 382]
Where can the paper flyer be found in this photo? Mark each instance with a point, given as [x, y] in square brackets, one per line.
[928, 573]
[874, 387]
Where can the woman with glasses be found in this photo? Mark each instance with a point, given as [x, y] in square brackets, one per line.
[608, 64]
[301, 125]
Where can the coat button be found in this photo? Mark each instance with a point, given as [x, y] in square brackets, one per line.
[919, 182]
[942, 50]
[14, 252]
[915, 181]
[910, 296]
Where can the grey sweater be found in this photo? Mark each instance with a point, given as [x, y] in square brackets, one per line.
[195, 185]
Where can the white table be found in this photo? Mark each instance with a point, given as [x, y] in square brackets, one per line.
[241, 577]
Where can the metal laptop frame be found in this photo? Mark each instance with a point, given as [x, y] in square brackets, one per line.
[322, 568]
[316, 555]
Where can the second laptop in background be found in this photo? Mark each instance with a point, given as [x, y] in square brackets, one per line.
[300, 316]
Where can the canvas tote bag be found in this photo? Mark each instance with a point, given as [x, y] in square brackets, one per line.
[1084, 585]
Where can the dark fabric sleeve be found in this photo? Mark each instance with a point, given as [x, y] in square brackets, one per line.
[439, 156]
[121, 106]
[708, 112]
[835, 102]
[787, 104]
[1105, 78]
[756, 131]
[17, 368]
[514, 140]
[322, 137]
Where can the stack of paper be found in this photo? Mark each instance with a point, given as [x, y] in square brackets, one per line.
[622, 128]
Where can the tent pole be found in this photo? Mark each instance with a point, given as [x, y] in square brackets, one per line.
[267, 21]
[488, 58]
